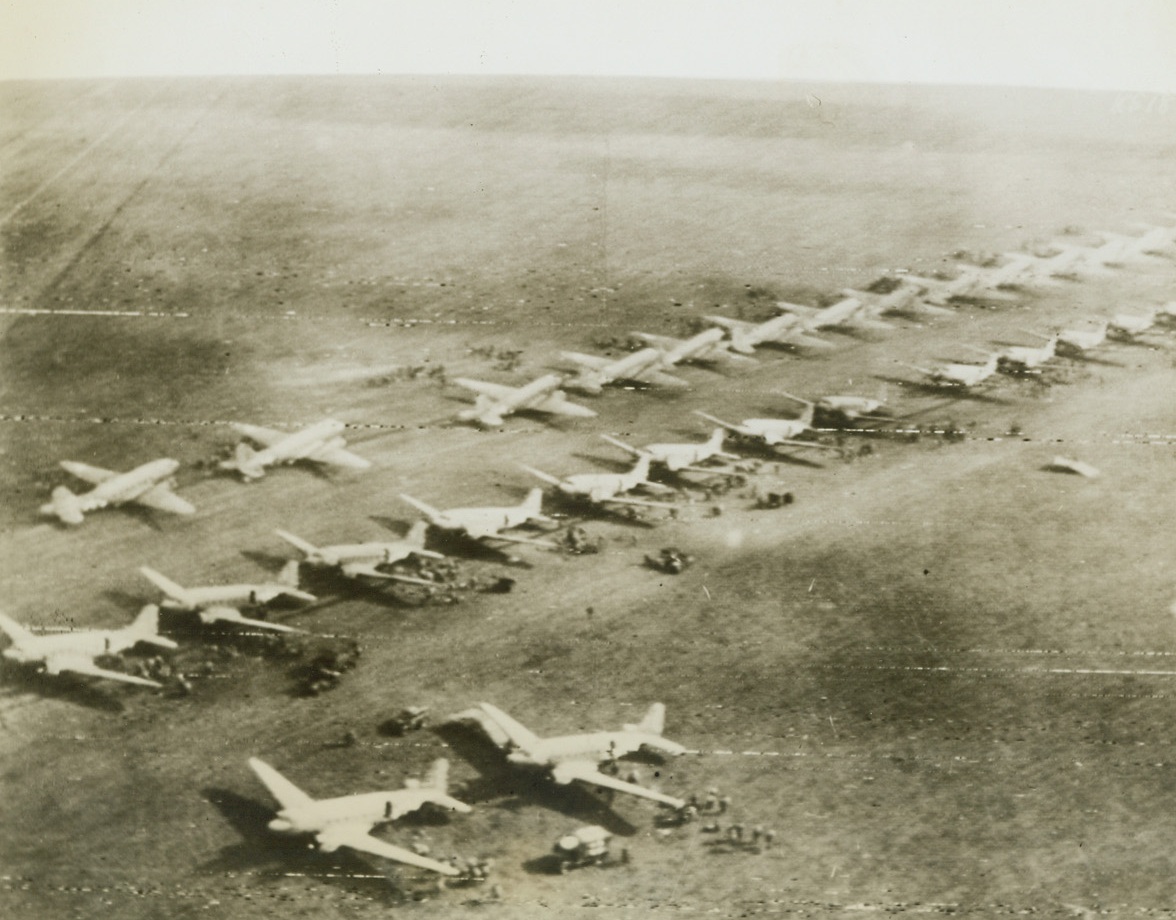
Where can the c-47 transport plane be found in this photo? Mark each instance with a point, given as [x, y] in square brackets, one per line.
[145, 485]
[643, 366]
[953, 374]
[347, 820]
[320, 442]
[773, 432]
[361, 560]
[495, 401]
[577, 757]
[489, 523]
[608, 488]
[75, 651]
[678, 458]
[707, 346]
[221, 603]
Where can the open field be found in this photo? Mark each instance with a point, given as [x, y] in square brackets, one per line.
[943, 675]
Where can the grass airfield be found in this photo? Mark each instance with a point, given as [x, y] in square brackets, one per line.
[943, 675]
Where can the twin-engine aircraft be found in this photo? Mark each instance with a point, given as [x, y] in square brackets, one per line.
[347, 820]
[707, 346]
[791, 327]
[1084, 339]
[146, 485]
[1029, 357]
[774, 432]
[608, 488]
[362, 560]
[320, 443]
[222, 603]
[75, 651]
[681, 458]
[905, 298]
[569, 758]
[495, 401]
[951, 374]
[489, 523]
[643, 366]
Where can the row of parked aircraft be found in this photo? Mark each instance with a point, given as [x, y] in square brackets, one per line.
[347, 821]
[797, 325]
[727, 340]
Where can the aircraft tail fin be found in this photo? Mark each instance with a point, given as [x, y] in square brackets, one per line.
[533, 503]
[290, 574]
[64, 504]
[244, 462]
[145, 627]
[297, 542]
[715, 441]
[416, 534]
[13, 629]
[436, 781]
[652, 723]
[166, 585]
[438, 775]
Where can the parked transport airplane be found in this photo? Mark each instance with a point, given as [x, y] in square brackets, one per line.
[951, 374]
[222, 603]
[643, 366]
[495, 401]
[321, 442]
[682, 457]
[707, 346]
[569, 758]
[362, 560]
[75, 651]
[489, 523]
[146, 485]
[346, 821]
[608, 488]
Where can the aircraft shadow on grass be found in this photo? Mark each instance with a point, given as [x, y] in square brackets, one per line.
[518, 787]
[949, 392]
[65, 687]
[1085, 357]
[458, 545]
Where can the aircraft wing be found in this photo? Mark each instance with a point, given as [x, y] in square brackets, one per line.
[595, 362]
[793, 442]
[585, 772]
[519, 735]
[266, 437]
[660, 378]
[493, 390]
[337, 456]
[638, 502]
[287, 794]
[81, 665]
[356, 837]
[91, 474]
[164, 499]
[663, 342]
[509, 539]
[369, 570]
[232, 615]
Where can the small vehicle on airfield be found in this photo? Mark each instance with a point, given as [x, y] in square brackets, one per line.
[587, 846]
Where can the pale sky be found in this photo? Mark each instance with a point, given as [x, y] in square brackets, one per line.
[1089, 44]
